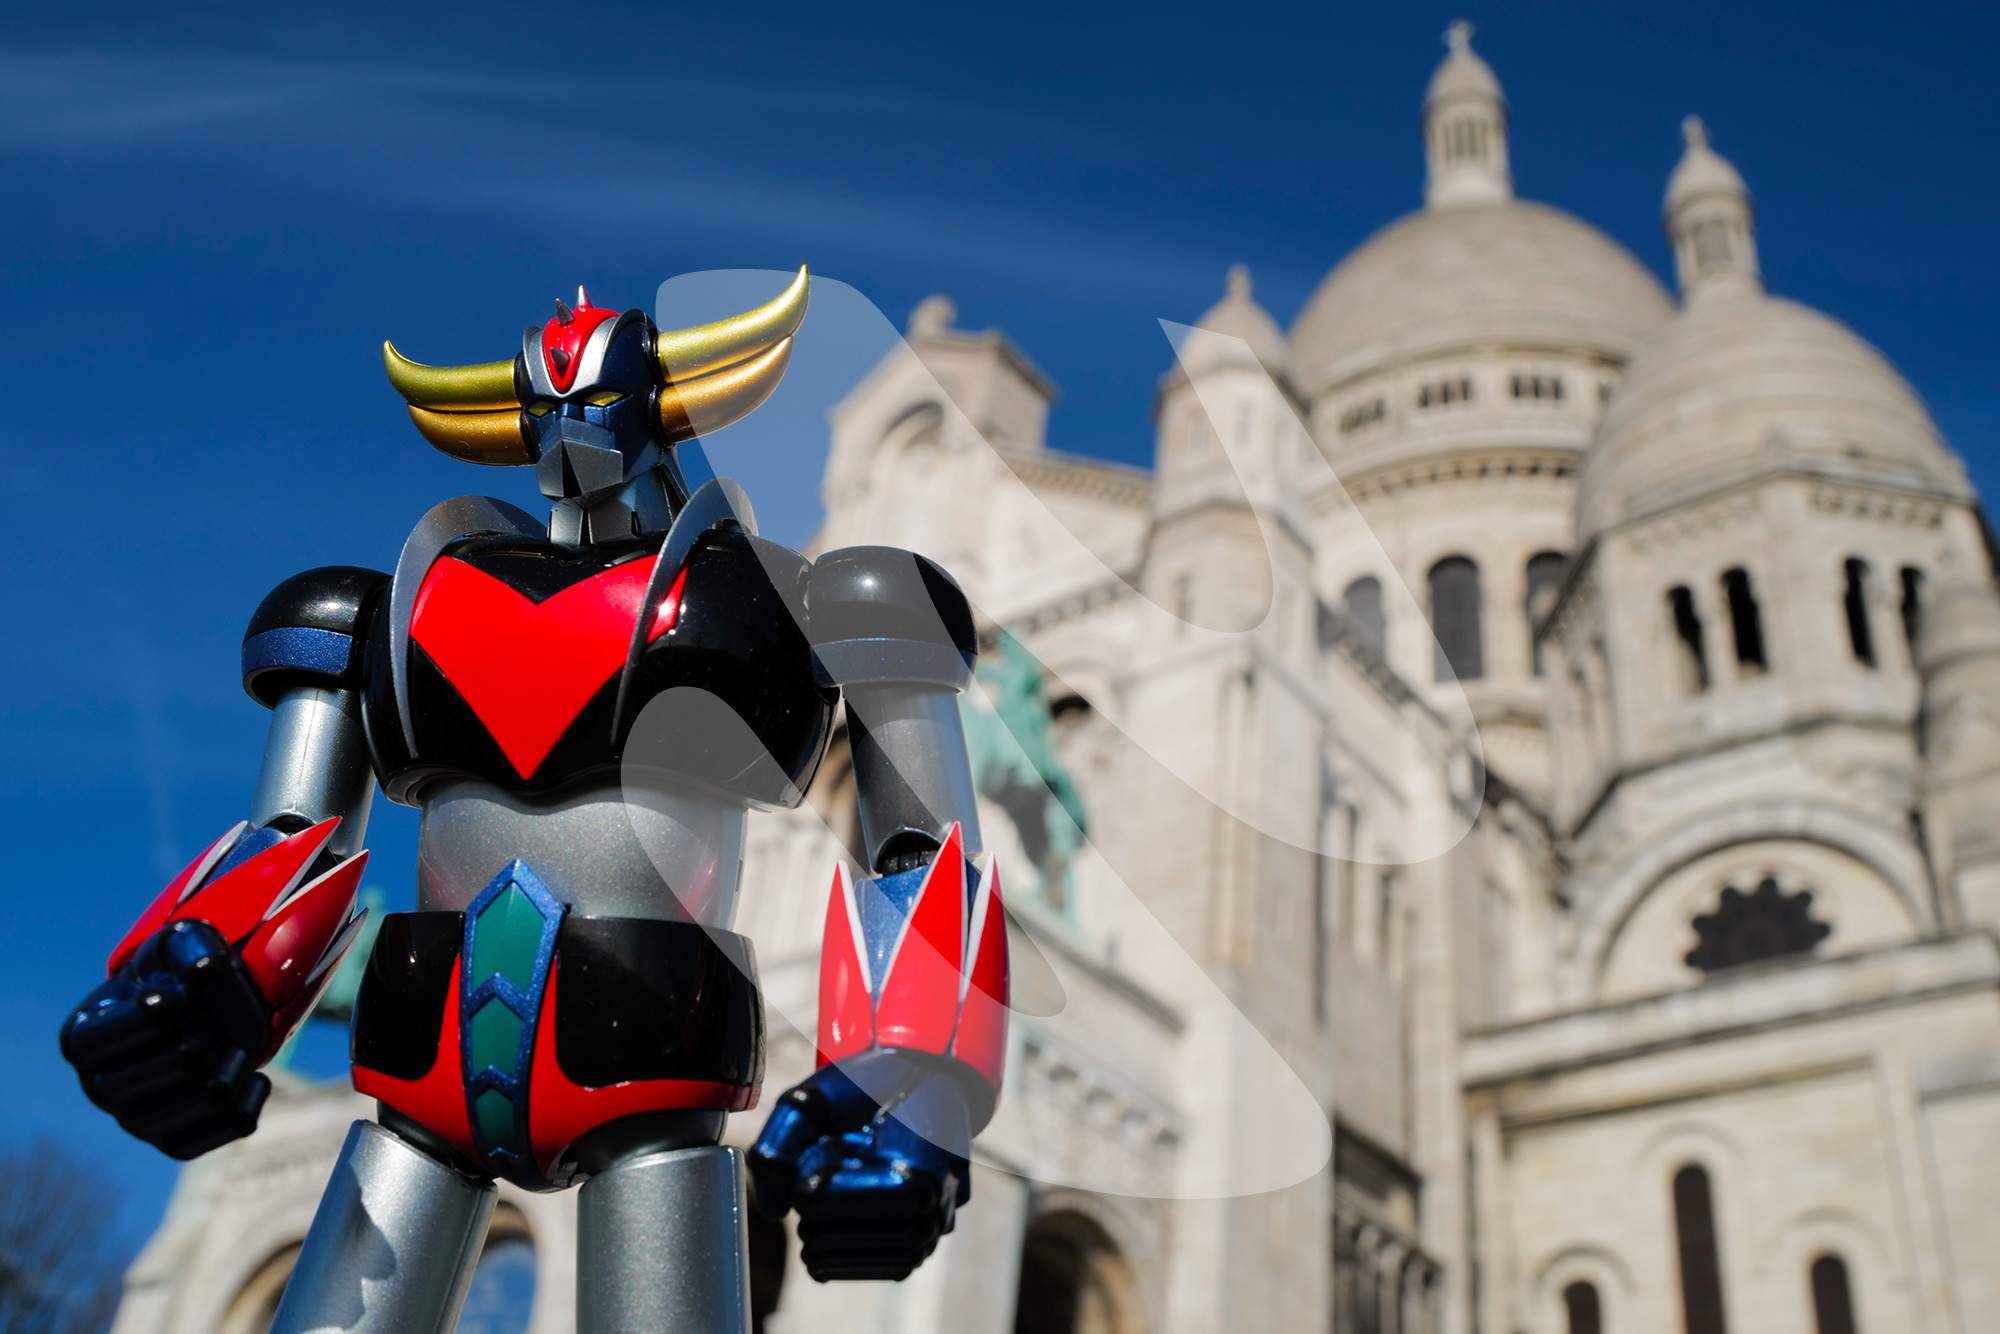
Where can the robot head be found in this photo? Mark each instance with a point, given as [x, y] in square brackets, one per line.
[597, 397]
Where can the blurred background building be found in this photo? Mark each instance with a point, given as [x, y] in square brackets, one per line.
[1698, 1029]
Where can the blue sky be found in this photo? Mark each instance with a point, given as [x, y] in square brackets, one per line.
[215, 213]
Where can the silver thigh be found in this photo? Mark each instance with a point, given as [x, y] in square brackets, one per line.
[668, 853]
[392, 1248]
[661, 1244]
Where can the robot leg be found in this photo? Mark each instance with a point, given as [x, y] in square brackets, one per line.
[661, 1245]
[392, 1248]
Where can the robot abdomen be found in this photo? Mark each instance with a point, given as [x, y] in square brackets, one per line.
[668, 853]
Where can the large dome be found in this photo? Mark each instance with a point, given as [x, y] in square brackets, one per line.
[1742, 382]
[1514, 273]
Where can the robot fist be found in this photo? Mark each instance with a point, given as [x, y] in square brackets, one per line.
[875, 1183]
[209, 983]
[169, 1043]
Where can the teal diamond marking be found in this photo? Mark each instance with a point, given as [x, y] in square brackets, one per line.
[508, 935]
[493, 1113]
[496, 1038]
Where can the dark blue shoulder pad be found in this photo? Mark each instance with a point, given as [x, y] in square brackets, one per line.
[309, 630]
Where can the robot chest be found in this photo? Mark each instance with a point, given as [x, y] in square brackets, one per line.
[528, 668]
[528, 664]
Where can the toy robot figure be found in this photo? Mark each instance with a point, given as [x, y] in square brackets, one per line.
[567, 1005]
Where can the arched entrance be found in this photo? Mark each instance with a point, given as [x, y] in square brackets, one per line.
[1073, 1280]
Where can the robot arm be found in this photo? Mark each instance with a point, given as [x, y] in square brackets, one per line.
[872, 1148]
[228, 960]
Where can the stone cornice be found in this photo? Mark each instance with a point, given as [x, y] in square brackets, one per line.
[1756, 999]
[1528, 463]
[1118, 483]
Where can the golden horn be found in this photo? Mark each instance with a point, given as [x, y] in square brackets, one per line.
[697, 407]
[456, 388]
[687, 353]
[499, 439]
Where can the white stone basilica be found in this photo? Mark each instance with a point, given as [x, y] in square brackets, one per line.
[1697, 1029]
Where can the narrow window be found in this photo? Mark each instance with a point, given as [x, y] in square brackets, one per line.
[1556, 388]
[1711, 244]
[1520, 387]
[1586, 1316]
[1545, 573]
[1858, 633]
[1364, 608]
[1744, 620]
[1701, 1267]
[1687, 628]
[1833, 1303]
[1455, 619]
[1913, 604]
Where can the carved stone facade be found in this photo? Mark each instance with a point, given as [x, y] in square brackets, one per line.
[1735, 628]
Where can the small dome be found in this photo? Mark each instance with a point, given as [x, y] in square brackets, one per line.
[1735, 386]
[1237, 315]
[1463, 73]
[1702, 170]
[1516, 273]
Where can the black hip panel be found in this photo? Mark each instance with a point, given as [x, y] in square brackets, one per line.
[643, 999]
[399, 1011]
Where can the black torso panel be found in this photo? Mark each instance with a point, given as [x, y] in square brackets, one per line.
[517, 647]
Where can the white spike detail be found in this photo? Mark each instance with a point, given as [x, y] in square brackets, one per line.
[216, 852]
[976, 935]
[293, 889]
[336, 950]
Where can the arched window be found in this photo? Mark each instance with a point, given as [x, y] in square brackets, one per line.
[1455, 619]
[1687, 630]
[1545, 576]
[1833, 1303]
[1701, 1265]
[1073, 1280]
[1745, 621]
[256, 1305]
[1859, 636]
[1913, 604]
[1363, 600]
[1586, 1315]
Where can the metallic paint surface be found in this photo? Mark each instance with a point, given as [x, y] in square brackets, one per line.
[316, 765]
[495, 439]
[686, 353]
[689, 408]
[674, 854]
[662, 1244]
[473, 388]
[713, 502]
[393, 1246]
[443, 524]
[910, 765]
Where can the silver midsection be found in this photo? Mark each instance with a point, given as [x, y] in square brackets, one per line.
[611, 851]
[392, 1247]
[661, 1245]
[316, 765]
[910, 765]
